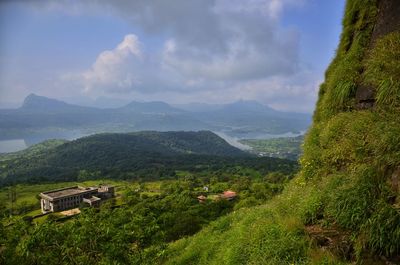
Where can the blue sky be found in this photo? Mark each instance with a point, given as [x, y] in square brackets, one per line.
[178, 51]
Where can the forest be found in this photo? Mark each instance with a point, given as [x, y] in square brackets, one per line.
[140, 156]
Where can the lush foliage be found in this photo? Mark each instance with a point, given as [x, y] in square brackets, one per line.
[352, 155]
[133, 231]
[273, 233]
[342, 208]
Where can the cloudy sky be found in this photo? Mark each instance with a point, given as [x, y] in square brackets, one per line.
[178, 51]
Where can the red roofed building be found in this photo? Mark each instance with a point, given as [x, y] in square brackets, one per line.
[228, 195]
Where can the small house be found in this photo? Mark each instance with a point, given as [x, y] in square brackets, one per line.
[228, 195]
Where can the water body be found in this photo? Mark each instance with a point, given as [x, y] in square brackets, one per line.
[234, 140]
[14, 145]
[7, 146]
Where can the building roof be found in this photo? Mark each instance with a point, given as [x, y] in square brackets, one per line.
[229, 194]
[65, 192]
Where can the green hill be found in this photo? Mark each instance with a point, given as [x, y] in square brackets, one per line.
[344, 206]
[149, 155]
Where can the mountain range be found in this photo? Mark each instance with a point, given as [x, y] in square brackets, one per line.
[40, 114]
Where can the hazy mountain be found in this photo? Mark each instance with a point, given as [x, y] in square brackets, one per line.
[153, 107]
[199, 107]
[35, 103]
[41, 115]
[244, 117]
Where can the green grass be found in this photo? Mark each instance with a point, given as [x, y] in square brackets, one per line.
[344, 73]
[358, 151]
[383, 70]
[247, 236]
[350, 154]
[273, 233]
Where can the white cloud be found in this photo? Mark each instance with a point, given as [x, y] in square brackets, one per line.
[207, 50]
[250, 42]
[114, 69]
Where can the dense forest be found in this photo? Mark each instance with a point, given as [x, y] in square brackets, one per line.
[140, 155]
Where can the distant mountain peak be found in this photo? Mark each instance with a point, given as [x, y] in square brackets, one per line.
[35, 102]
[152, 106]
[249, 105]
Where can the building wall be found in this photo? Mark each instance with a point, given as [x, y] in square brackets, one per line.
[73, 201]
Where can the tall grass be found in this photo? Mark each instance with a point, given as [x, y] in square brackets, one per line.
[382, 70]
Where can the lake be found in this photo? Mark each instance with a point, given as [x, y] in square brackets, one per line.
[7, 146]
[14, 145]
[234, 140]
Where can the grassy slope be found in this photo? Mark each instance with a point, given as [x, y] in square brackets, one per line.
[347, 183]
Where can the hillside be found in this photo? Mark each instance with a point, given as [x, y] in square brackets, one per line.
[133, 155]
[343, 207]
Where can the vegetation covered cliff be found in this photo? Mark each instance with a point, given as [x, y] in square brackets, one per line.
[352, 152]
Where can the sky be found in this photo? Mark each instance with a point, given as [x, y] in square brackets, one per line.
[177, 51]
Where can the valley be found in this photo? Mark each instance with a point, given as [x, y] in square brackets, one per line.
[41, 118]
[236, 182]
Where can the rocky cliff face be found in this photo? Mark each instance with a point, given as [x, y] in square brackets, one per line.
[352, 151]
